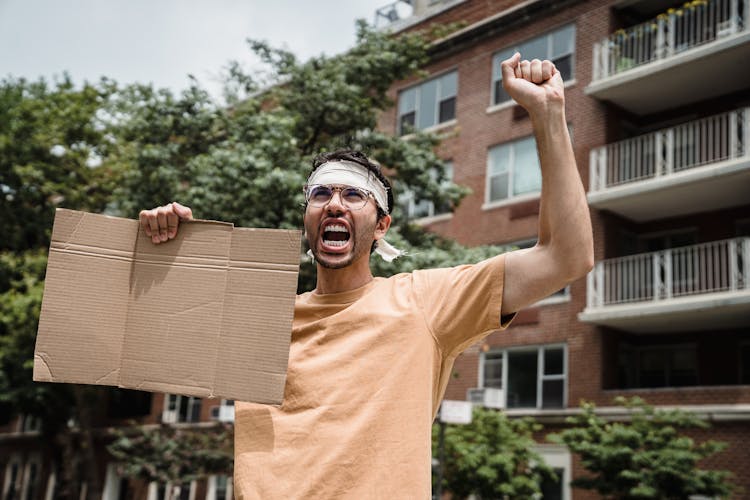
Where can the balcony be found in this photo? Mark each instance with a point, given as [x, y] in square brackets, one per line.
[682, 56]
[698, 166]
[691, 288]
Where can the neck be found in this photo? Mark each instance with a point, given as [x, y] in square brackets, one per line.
[345, 279]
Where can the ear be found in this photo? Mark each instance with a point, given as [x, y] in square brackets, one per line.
[381, 227]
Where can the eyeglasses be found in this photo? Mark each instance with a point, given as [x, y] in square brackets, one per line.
[353, 198]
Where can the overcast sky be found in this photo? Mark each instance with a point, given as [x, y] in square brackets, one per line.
[162, 41]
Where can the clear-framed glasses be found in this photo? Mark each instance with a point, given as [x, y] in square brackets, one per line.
[353, 198]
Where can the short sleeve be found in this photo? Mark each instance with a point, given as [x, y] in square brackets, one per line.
[462, 304]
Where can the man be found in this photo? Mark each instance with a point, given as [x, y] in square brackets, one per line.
[370, 357]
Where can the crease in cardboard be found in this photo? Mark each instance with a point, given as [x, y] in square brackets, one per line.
[68, 356]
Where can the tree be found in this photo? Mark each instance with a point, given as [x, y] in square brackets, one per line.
[172, 455]
[492, 457]
[646, 456]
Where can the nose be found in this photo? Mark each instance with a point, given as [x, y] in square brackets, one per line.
[335, 204]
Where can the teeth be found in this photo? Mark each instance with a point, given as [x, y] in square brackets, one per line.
[331, 243]
[338, 228]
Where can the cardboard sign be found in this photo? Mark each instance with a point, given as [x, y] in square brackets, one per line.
[207, 314]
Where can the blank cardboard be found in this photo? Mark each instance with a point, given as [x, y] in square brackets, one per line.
[207, 314]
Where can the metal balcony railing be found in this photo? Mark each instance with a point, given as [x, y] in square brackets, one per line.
[717, 266]
[695, 23]
[662, 153]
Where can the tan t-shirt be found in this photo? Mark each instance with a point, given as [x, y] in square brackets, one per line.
[367, 371]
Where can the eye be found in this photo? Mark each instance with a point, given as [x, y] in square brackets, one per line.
[320, 193]
[353, 194]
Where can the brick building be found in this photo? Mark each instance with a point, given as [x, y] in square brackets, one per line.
[657, 100]
[658, 105]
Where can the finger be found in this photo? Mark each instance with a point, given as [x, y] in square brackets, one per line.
[182, 211]
[161, 217]
[173, 220]
[509, 66]
[536, 71]
[143, 217]
[547, 69]
[153, 224]
[526, 70]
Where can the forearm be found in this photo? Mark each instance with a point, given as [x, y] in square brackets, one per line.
[564, 222]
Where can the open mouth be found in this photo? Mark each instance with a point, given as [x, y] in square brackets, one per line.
[335, 235]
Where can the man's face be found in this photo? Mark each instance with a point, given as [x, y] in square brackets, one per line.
[338, 235]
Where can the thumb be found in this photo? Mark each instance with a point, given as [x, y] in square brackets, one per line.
[508, 67]
[182, 211]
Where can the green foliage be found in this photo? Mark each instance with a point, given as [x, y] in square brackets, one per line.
[492, 457]
[646, 456]
[177, 455]
[50, 137]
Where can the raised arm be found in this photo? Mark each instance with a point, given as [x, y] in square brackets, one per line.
[564, 251]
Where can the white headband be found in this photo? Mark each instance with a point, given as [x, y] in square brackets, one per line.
[356, 175]
[352, 174]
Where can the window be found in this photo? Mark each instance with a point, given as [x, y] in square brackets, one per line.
[31, 480]
[180, 409]
[531, 377]
[417, 209]
[427, 104]
[219, 488]
[658, 366]
[558, 459]
[12, 479]
[513, 170]
[558, 47]
[224, 412]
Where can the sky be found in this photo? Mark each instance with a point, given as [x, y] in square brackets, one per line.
[162, 41]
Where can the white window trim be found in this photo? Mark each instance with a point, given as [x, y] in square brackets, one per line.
[432, 130]
[515, 47]
[558, 457]
[211, 493]
[541, 377]
[432, 219]
[173, 416]
[438, 125]
[153, 490]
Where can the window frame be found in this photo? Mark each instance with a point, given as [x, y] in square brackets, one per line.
[501, 54]
[439, 98]
[409, 202]
[179, 400]
[540, 375]
[512, 170]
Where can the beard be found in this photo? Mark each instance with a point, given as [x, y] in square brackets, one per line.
[361, 243]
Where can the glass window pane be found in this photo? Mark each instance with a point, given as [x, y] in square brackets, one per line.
[527, 176]
[534, 49]
[553, 361]
[427, 104]
[493, 371]
[407, 123]
[552, 393]
[499, 187]
[522, 379]
[447, 110]
[407, 101]
[449, 85]
[422, 209]
[500, 94]
[563, 41]
[564, 65]
[552, 489]
[499, 158]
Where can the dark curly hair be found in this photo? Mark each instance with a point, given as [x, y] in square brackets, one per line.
[357, 157]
